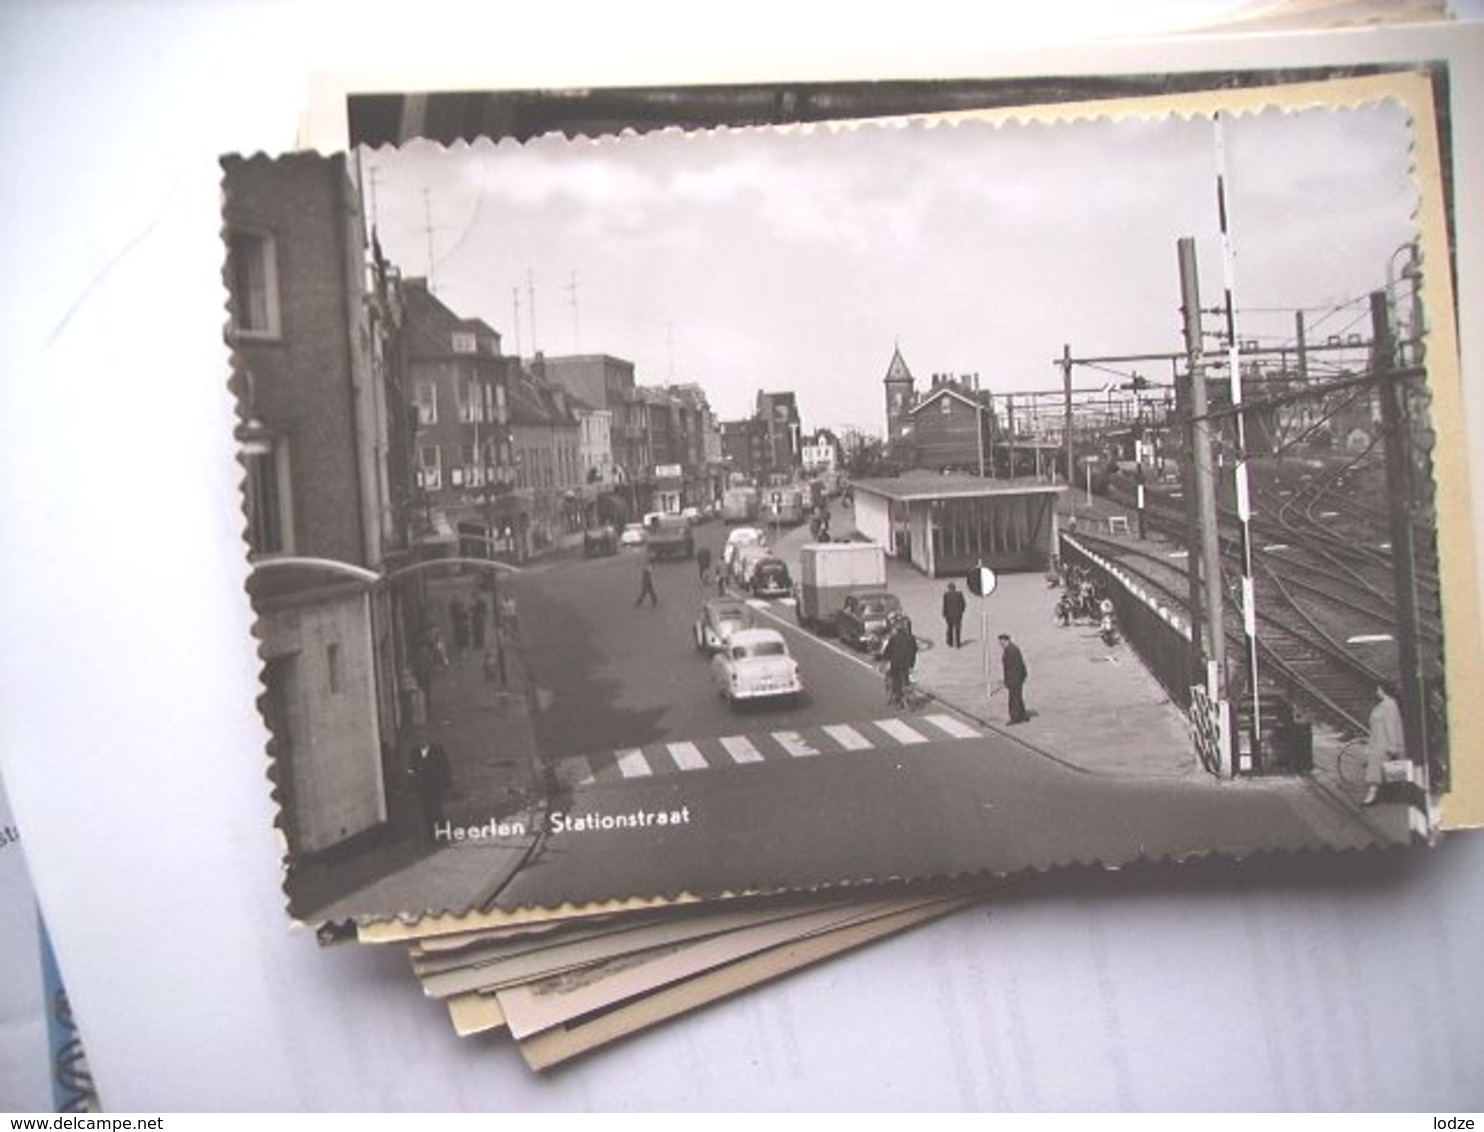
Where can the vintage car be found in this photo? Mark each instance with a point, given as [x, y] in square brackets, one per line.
[633, 536]
[862, 619]
[718, 620]
[745, 561]
[599, 541]
[770, 578]
[755, 665]
[739, 537]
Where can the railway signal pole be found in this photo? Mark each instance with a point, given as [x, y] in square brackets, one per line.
[1243, 490]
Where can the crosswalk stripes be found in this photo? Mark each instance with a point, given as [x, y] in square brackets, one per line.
[848, 737]
[687, 756]
[901, 732]
[741, 749]
[952, 726]
[631, 764]
[725, 750]
[795, 744]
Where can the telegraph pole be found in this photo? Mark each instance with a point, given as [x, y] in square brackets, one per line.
[1066, 382]
[1199, 482]
[1389, 388]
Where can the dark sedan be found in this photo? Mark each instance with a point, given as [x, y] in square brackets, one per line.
[863, 617]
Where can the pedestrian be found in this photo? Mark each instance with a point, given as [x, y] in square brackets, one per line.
[900, 656]
[953, 615]
[429, 659]
[432, 781]
[1014, 673]
[507, 620]
[458, 616]
[478, 614]
[646, 586]
[1387, 742]
[703, 562]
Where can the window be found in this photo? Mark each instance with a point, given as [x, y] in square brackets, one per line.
[463, 342]
[253, 270]
[430, 467]
[426, 402]
[469, 458]
[945, 406]
[471, 407]
[269, 529]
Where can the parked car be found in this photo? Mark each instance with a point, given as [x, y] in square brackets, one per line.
[756, 665]
[718, 620]
[745, 561]
[599, 542]
[737, 538]
[770, 578]
[863, 617]
[633, 535]
[692, 515]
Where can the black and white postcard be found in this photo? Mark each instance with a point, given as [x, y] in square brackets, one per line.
[677, 515]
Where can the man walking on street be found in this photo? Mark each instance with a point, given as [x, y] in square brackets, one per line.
[1014, 674]
[703, 561]
[953, 615]
[646, 587]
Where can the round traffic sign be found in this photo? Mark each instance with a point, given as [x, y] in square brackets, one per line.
[981, 581]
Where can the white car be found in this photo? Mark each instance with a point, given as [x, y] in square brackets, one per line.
[739, 537]
[755, 665]
[633, 535]
[719, 619]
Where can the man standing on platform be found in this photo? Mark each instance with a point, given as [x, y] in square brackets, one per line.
[953, 615]
[1014, 674]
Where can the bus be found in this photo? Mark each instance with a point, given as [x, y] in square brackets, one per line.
[739, 505]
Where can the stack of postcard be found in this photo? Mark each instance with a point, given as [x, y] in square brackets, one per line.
[683, 556]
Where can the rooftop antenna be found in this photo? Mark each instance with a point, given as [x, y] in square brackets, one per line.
[531, 295]
[576, 325]
[515, 299]
[428, 228]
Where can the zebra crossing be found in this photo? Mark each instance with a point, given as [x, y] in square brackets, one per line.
[682, 757]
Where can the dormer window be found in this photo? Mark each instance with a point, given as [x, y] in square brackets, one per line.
[463, 342]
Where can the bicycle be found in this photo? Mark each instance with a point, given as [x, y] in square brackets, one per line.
[909, 698]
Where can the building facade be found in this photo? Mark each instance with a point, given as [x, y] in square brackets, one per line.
[465, 451]
[315, 329]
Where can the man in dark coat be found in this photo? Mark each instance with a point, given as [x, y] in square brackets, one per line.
[432, 780]
[953, 615]
[703, 561]
[900, 654]
[1014, 674]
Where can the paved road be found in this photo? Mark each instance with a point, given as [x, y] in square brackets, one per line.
[674, 791]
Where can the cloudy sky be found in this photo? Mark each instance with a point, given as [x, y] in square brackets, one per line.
[755, 259]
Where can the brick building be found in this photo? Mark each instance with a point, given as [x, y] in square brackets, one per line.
[324, 430]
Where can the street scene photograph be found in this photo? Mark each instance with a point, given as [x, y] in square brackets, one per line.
[674, 515]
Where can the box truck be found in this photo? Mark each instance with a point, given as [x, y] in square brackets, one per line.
[831, 571]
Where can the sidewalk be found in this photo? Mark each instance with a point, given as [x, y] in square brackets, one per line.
[485, 727]
[1092, 707]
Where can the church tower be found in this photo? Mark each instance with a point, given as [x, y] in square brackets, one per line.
[900, 397]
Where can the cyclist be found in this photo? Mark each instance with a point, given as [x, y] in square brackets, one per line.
[899, 657]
